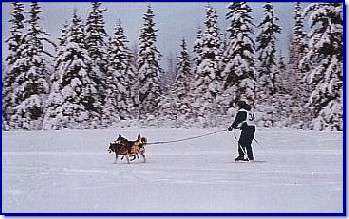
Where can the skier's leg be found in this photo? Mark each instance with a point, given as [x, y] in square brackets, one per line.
[241, 147]
[249, 140]
[240, 150]
[249, 152]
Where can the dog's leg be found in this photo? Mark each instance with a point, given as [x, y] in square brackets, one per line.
[143, 158]
[128, 160]
[133, 157]
[116, 158]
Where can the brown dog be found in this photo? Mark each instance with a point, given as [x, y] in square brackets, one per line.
[127, 148]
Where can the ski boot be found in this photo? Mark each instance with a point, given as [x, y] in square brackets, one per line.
[241, 159]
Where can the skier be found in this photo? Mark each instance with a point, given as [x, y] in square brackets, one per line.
[244, 121]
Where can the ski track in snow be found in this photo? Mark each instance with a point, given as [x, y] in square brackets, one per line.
[71, 171]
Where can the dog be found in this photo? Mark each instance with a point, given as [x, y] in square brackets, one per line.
[124, 147]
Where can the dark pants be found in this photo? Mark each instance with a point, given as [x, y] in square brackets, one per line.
[245, 141]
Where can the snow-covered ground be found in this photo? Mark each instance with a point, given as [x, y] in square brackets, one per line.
[71, 171]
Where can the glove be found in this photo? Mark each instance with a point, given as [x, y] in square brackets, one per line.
[230, 128]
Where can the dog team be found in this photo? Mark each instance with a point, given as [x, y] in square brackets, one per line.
[244, 120]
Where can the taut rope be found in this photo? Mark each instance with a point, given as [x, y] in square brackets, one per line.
[185, 139]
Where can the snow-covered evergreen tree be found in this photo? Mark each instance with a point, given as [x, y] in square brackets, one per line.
[53, 117]
[120, 101]
[224, 39]
[53, 105]
[197, 58]
[135, 53]
[148, 68]
[167, 79]
[281, 76]
[14, 42]
[297, 46]
[238, 71]
[31, 85]
[74, 84]
[97, 46]
[266, 67]
[325, 58]
[207, 72]
[167, 107]
[167, 103]
[283, 97]
[198, 48]
[298, 35]
[183, 86]
[222, 102]
[300, 88]
[63, 38]
[135, 87]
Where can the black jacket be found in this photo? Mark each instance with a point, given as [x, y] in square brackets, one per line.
[240, 117]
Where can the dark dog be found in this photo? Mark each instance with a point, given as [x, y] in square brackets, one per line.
[127, 148]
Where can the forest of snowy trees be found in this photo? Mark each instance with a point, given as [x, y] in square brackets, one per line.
[95, 80]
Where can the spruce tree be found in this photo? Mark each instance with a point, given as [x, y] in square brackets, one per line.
[325, 58]
[53, 104]
[283, 97]
[297, 48]
[238, 72]
[182, 85]
[97, 46]
[14, 42]
[76, 82]
[167, 107]
[148, 68]
[197, 58]
[281, 76]
[120, 98]
[31, 85]
[53, 116]
[95, 36]
[266, 67]
[167, 104]
[198, 48]
[167, 76]
[63, 38]
[298, 36]
[207, 71]
[300, 89]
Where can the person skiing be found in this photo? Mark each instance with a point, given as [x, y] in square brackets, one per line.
[244, 121]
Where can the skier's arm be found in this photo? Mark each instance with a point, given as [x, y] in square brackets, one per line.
[239, 118]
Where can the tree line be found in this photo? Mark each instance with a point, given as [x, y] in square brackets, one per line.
[97, 81]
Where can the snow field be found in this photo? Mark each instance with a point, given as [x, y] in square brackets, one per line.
[71, 171]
